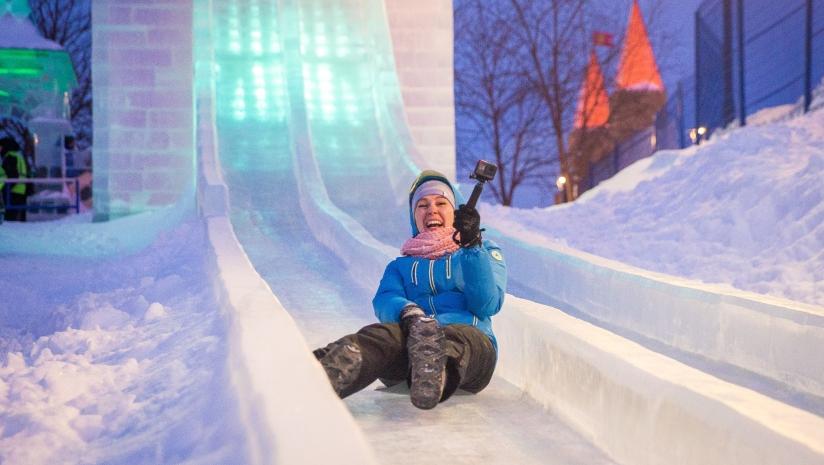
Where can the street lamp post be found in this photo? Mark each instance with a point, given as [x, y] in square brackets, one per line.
[560, 183]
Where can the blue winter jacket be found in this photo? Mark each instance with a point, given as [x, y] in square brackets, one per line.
[465, 287]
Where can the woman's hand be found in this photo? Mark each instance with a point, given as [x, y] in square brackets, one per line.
[468, 225]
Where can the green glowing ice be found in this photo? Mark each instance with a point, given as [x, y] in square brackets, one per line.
[19, 8]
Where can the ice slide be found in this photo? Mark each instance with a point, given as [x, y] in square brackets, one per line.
[278, 198]
[309, 150]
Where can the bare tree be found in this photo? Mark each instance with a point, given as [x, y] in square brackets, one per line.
[540, 50]
[556, 36]
[68, 22]
[501, 120]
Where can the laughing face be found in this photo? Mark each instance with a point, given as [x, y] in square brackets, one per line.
[433, 212]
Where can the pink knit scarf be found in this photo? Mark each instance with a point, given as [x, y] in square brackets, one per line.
[431, 244]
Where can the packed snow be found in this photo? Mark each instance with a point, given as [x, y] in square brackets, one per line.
[118, 348]
[745, 209]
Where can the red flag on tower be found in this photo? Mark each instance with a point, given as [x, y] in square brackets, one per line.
[602, 38]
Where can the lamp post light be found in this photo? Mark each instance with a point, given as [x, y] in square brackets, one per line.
[561, 195]
[697, 134]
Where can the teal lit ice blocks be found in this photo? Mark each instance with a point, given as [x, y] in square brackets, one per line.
[251, 83]
[329, 82]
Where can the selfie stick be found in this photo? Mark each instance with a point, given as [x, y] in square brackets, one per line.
[476, 193]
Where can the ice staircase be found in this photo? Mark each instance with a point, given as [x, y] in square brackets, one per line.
[304, 161]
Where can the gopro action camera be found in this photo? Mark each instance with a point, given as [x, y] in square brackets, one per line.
[484, 171]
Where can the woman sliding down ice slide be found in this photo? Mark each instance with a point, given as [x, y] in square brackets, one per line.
[434, 304]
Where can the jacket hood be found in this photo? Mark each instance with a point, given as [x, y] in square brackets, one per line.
[429, 175]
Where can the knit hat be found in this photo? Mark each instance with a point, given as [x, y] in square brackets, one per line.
[433, 187]
[442, 187]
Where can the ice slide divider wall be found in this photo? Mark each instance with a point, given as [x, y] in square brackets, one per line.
[285, 399]
[775, 338]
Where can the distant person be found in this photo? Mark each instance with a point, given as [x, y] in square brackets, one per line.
[70, 154]
[434, 304]
[15, 167]
[29, 144]
[2, 191]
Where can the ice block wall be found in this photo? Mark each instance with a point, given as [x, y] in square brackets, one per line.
[421, 34]
[143, 112]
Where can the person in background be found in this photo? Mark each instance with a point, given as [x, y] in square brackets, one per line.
[15, 167]
[70, 153]
[434, 305]
[2, 197]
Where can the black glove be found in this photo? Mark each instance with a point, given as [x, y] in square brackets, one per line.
[409, 314]
[468, 225]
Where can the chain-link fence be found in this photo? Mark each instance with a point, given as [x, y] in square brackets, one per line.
[754, 54]
[672, 125]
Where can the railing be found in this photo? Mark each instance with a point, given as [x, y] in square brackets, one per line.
[34, 206]
[755, 54]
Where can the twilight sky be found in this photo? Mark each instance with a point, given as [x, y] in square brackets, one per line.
[677, 54]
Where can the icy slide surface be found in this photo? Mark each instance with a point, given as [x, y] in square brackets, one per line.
[256, 137]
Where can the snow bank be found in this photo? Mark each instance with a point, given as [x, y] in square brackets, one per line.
[20, 33]
[72, 236]
[746, 209]
[114, 359]
[641, 407]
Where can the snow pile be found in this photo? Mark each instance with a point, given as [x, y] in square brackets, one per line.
[114, 359]
[744, 209]
[20, 33]
[73, 235]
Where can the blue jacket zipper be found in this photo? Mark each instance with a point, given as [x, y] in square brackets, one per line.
[432, 286]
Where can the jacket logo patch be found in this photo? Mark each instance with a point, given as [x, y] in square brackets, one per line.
[496, 254]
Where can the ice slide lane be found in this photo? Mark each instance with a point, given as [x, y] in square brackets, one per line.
[500, 426]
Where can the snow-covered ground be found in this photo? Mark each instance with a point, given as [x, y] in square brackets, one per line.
[113, 348]
[110, 354]
[744, 209]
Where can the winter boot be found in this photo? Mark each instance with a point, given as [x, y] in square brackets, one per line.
[342, 361]
[426, 345]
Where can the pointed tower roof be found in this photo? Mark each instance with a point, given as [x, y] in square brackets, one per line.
[593, 101]
[638, 69]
